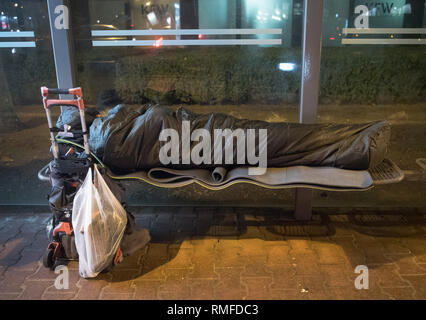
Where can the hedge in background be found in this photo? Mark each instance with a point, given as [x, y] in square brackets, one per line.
[249, 75]
[228, 75]
[373, 75]
[208, 76]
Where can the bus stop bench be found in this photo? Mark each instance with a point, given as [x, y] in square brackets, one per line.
[318, 178]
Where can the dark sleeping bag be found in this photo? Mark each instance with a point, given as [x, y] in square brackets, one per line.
[127, 139]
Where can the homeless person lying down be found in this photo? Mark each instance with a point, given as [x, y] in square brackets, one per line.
[132, 138]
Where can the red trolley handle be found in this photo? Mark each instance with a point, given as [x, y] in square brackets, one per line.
[47, 103]
[75, 91]
[77, 103]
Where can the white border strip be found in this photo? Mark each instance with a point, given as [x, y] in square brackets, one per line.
[16, 34]
[212, 42]
[385, 31]
[383, 41]
[98, 33]
[22, 44]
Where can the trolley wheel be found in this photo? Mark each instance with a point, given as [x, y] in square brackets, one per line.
[48, 258]
[58, 263]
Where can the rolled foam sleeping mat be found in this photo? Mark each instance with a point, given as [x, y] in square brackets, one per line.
[323, 178]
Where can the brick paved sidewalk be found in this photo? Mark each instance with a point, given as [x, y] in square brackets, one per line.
[233, 253]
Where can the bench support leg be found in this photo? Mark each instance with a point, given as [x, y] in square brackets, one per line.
[303, 206]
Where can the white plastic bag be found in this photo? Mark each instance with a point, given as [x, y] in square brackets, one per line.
[99, 221]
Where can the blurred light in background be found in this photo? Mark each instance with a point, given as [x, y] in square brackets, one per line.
[286, 66]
